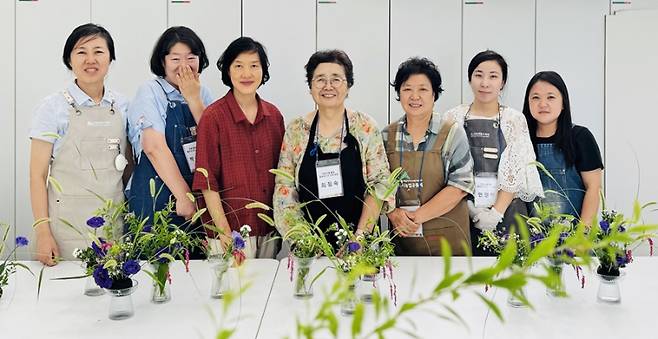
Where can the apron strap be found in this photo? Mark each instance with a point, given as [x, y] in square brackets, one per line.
[392, 136]
[443, 135]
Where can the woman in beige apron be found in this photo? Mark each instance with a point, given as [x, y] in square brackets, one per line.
[430, 203]
[78, 148]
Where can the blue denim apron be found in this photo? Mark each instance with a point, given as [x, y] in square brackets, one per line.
[179, 127]
[566, 191]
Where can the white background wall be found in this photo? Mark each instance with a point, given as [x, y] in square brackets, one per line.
[533, 35]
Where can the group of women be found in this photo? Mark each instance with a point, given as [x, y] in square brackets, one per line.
[470, 169]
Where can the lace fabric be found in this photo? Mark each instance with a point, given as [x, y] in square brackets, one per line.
[517, 172]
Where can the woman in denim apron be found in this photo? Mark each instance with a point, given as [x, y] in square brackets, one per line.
[568, 152]
[163, 119]
[78, 139]
[503, 158]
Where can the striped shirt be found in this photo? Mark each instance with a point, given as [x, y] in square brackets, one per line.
[455, 153]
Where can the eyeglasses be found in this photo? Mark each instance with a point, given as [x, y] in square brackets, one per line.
[175, 59]
[322, 82]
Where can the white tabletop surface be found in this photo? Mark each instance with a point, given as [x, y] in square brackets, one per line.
[269, 310]
[64, 312]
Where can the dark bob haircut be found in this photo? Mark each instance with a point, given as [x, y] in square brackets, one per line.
[334, 56]
[87, 31]
[564, 124]
[418, 66]
[168, 39]
[238, 46]
[487, 55]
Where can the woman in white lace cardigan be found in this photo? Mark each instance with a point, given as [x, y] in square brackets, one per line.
[501, 148]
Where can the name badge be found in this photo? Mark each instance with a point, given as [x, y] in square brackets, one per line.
[329, 177]
[419, 231]
[189, 147]
[486, 190]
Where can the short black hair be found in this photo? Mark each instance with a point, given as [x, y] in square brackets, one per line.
[168, 39]
[334, 56]
[564, 124]
[487, 55]
[418, 66]
[237, 47]
[85, 31]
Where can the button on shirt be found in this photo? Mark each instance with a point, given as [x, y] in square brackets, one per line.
[238, 156]
[455, 154]
[51, 117]
[149, 109]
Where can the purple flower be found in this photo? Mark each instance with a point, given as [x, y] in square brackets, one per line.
[147, 228]
[238, 242]
[353, 246]
[102, 277]
[605, 226]
[621, 229]
[95, 222]
[130, 267]
[21, 241]
[100, 252]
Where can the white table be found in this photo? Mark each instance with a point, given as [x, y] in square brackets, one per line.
[414, 276]
[64, 312]
[580, 315]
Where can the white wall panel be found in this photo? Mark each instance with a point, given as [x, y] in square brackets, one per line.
[135, 26]
[570, 41]
[7, 116]
[507, 27]
[287, 30]
[39, 72]
[360, 28]
[215, 34]
[432, 29]
[630, 127]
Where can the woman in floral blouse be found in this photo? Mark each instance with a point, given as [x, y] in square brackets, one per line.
[336, 178]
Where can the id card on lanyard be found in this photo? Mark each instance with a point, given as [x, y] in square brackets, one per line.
[486, 190]
[330, 178]
[189, 147]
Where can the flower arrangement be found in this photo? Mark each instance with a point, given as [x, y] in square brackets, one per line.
[235, 248]
[616, 237]
[7, 266]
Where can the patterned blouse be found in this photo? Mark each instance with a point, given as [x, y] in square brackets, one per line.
[517, 171]
[373, 155]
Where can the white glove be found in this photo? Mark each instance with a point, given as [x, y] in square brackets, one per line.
[473, 211]
[488, 219]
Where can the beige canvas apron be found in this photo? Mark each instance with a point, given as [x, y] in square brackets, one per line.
[453, 226]
[85, 164]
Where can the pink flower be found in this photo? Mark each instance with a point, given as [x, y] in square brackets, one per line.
[650, 246]
[187, 261]
[239, 257]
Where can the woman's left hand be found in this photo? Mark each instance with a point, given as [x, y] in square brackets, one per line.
[189, 84]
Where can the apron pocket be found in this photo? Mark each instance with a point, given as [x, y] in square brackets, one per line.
[95, 154]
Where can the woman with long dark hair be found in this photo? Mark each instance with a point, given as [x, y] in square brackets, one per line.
[568, 152]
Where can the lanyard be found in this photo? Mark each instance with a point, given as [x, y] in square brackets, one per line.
[316, 141]
[422, 159]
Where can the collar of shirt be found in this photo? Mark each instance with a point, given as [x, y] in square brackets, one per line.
[432, 129]
[238, 114]
[171, 92]
[82, 99]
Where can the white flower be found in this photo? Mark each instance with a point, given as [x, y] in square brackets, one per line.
[245, 229]
[77, 252]
[172, 241]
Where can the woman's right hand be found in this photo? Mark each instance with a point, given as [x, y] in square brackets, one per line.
[46, 248]
[402, 223]
[185, 207]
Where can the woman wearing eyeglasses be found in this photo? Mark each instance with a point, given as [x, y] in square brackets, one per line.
[333, 153]
[163, 119]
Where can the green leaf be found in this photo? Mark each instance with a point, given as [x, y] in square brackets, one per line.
[167, 256]
[39, 222]
[266, 218]
[55, 183]
[284, 174]
[544, 248]
[482, 276]
[455, 315]
[197, 215]
[386, 325]
[446, 252]
[513, 282]
[506, 258]
[225, 333]
[448, 281]
[65, 222]
[357, 319]
[39, 281]
[491, 306]
[110, 264]
[152, 187]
